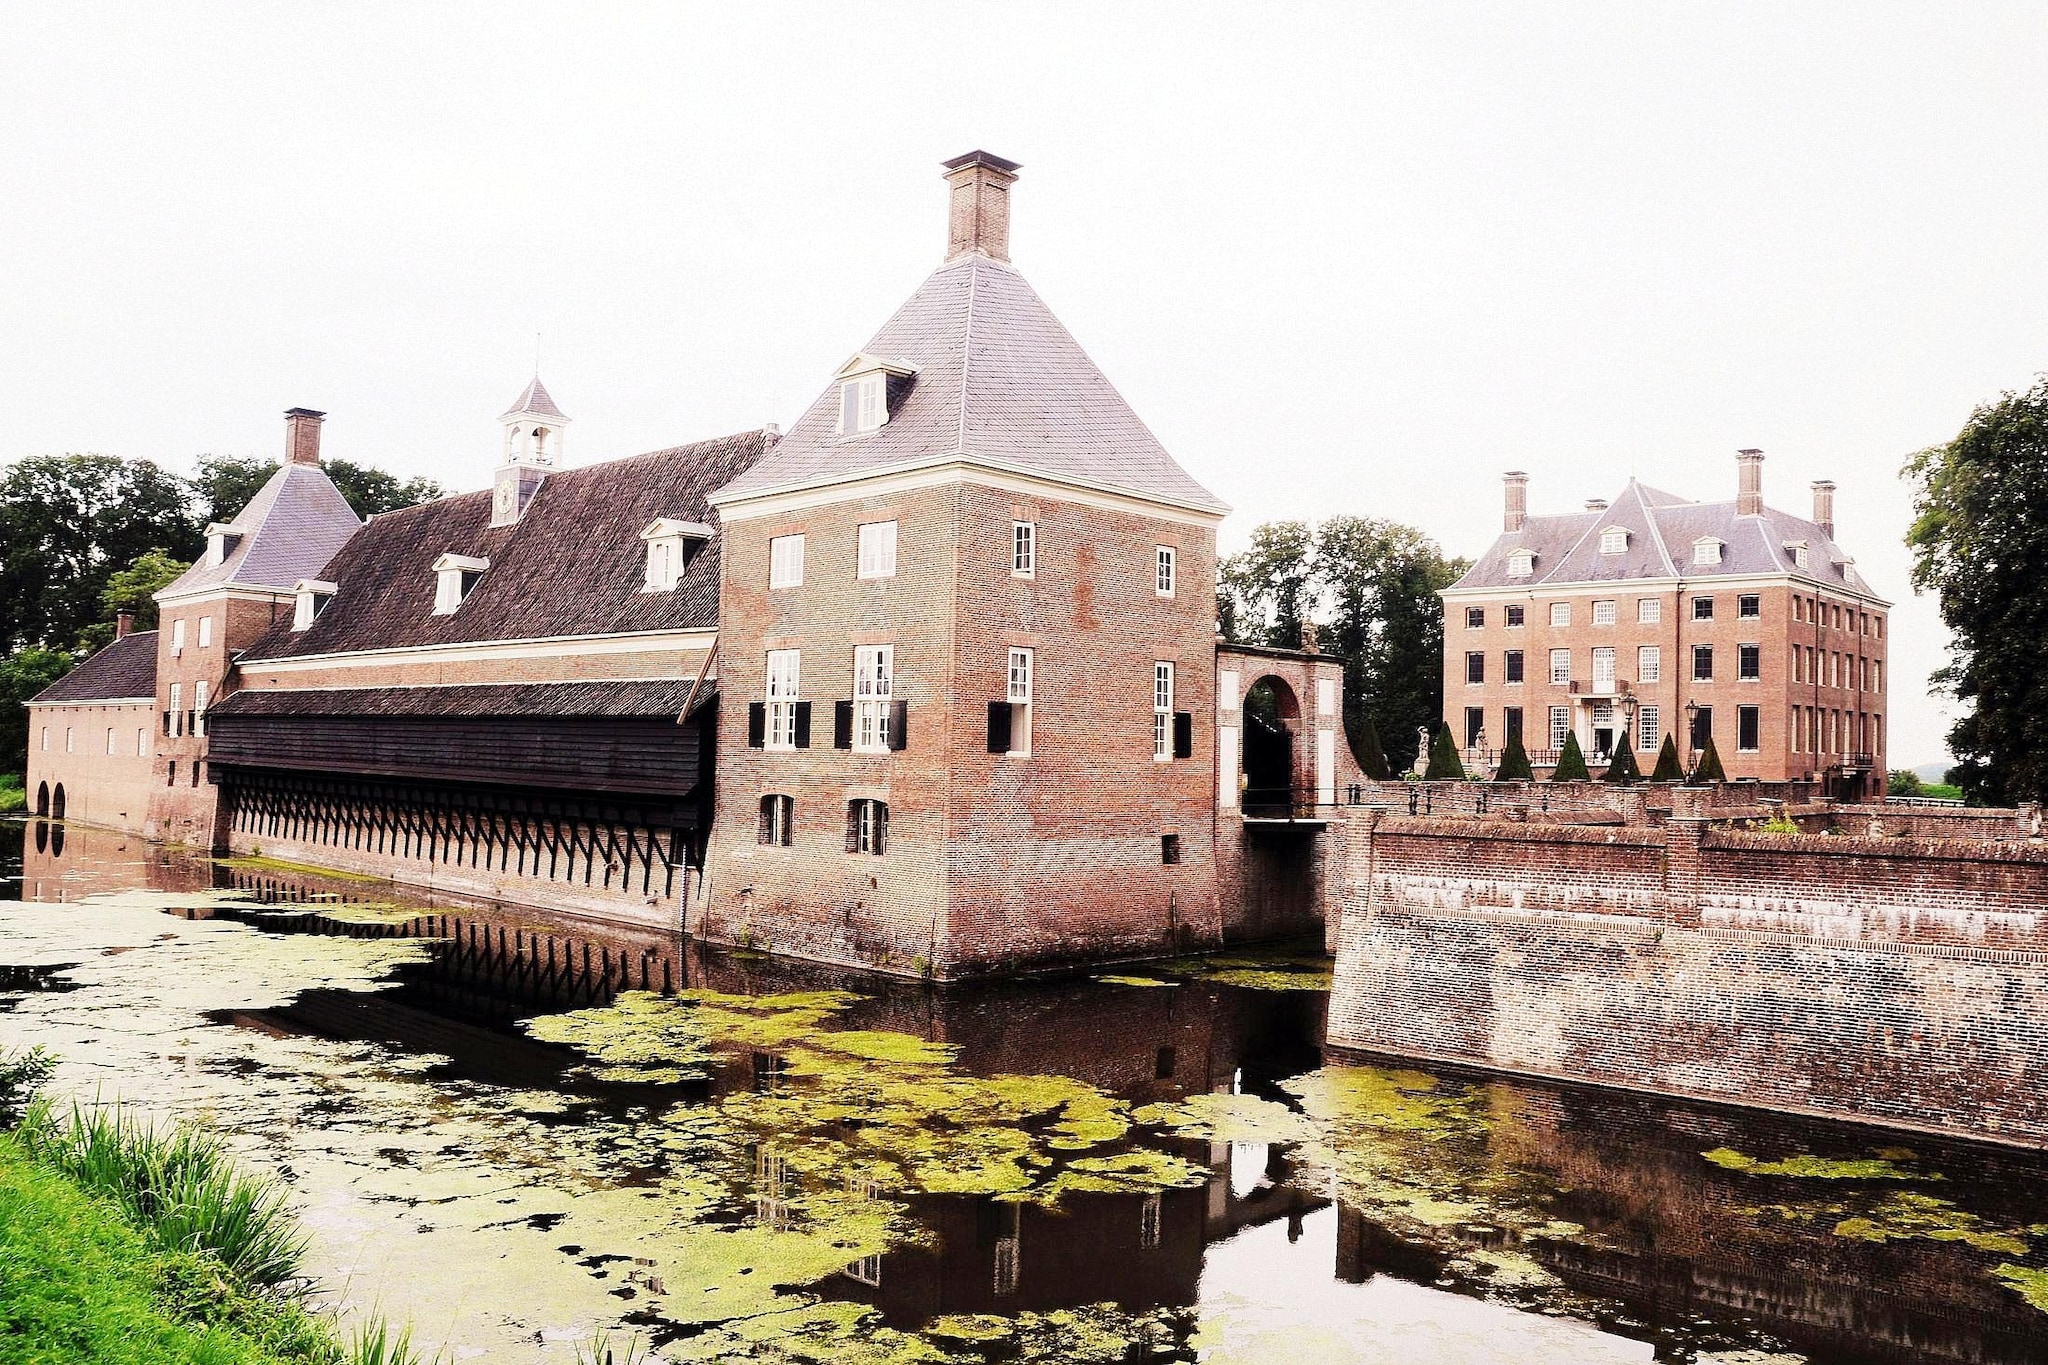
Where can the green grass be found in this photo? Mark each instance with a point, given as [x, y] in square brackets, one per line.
[1941, 791]
[13, 796]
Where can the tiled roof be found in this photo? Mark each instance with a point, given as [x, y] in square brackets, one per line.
[658, 697]
[1662, 529]
[125, 668]
[534, 398]
[573, 565]
[293, 525]
[998, 380]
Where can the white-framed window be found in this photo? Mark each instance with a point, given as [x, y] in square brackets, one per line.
[199, 707]
[1560, 726]
[1521, 563]
[1560, 613]
[1706, 550]
[786, 561]
[1649, 610]
[456, 577]
[1024, 549]
[1649, 727]
[669, 550]
[1749, 663]
[867, 827]
[67, 739]
[1163, 570]
[783, 680]
[178, 633]
[867, 1270]
[110, 739]
[1021, 685]
[1475, 618]
[778, 821]
[1603, 666]
[310, 598]
[1603, 613]
[1702, 663]
[1614, 540]
[878, 549]
[141, 741]
[1560, 666]
[46, 739]
[205, 631]
[1511, 617]
[860, 405]
[1649, 663]
[874, 671]
[1162, 711]
[177, 710]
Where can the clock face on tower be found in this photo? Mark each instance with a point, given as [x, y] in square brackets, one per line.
[506, 493]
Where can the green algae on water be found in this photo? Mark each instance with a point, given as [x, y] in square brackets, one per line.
[256, 863]
[1225, 1117]
[1906, 1215]
[1806, 1167]
[1133, 981]
[2026, 1281]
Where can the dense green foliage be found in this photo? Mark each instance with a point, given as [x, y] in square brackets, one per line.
[1571, 762]
[1372, 759]
[131, 589]
[1980, 542]
[1668, 768]
[1709, 768]
[1444, 764]
[13, 796]
[1514, 762]
[1370, 585]
[23, 674]
[1904, 782]
[1623, 769]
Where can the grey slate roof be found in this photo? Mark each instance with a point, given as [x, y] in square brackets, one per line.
[293, 525]
[999, 380]
[1662, 528]
[534, 398]
[657, 697]
[573, 565]
[125, 668]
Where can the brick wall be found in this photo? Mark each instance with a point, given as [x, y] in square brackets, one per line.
[1899, 981]
[105, 778]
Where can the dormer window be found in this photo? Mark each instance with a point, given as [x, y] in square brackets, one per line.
[1706, 550]
[869, 389]
[221, 540]
[1521, 563]
[456, 577]
[1614, 540]
[1798, 550]
[671, 545]
[310, 598]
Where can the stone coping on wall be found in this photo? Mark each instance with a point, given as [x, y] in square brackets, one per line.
[1517, 831]
[1863, 846]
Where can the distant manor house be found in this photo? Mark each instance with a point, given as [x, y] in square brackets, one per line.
[1650, 615]
[929, 684]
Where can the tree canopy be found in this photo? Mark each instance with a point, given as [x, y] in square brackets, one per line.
[1980, 543]
[22, 675]
[132, 589]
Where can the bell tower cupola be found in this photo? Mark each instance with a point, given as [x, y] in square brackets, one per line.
[532, 446]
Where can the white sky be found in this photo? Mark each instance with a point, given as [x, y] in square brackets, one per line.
[1356, 258]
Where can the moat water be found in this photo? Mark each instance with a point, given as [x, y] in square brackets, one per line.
[516, 1131]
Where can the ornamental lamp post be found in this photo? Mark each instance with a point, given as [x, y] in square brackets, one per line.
[1630, 703]
[1692, 753]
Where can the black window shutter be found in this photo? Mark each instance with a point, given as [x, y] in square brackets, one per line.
[1183, 734]
[853, 827]
[881, 827]
[999, 727]
[761, 834]
[899, 724]
[803, 725]
[842, 725]
[757, 724]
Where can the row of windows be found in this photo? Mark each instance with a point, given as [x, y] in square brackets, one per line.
[1814, 729]
[177, 720]
[178, 633]
[1825, 730]
[1649, 665]
[1832, 668]
[867, 824]
[1649, 732]
[875, 556]
[1650, 611]
[874, 721]
[113, 741]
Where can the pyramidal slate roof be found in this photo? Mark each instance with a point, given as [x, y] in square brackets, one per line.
[1000, 382]
[1662, 528]
[534, 398]
[573, 565]
[125, 668]
[293, 526]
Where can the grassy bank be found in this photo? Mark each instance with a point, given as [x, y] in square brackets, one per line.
[13, 797]
[124, 1243]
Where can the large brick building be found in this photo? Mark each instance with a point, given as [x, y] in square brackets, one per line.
[1632, 615]
[930, 683]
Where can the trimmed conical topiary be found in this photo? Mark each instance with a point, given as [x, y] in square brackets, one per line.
[1623, 769]
[1571, 763]
[1710, 765]
[1372, 759]
[1514, 764]
[1443, 759]
[1669, 769]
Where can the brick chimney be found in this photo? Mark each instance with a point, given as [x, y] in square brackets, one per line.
[124, 623]
[1749, 492]
[1596, 504]
[1824, 505]
[1516, 510]
[978, 211]
[302, 435]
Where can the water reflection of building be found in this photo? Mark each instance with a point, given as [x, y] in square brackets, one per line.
[66, 862]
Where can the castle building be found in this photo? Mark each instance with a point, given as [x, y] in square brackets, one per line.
[1651, 615]
[930, 684]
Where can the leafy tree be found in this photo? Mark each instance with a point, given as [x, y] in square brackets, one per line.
[1904, 782]
[22, 675]
[67, 524]
[1372, 759]
[1623, 769]
[1669, 769]
[226, 483]
[1571, 762]
[1514, 762]
[1710, 769]
[1444, 765]
[1270, 585]
[1980, 542]
[133, 589]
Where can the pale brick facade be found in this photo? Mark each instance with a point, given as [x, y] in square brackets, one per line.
[1612, 619]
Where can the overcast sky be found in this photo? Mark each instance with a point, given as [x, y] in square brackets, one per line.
[1357, 258]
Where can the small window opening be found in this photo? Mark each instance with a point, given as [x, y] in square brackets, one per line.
[1169, 850]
